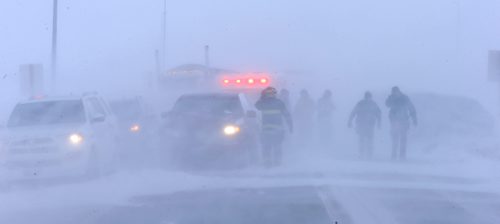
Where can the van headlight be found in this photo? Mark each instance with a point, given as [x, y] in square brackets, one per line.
[135, 128]
[231, 130]
[75, 139]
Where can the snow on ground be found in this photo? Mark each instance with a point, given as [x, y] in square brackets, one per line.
[474, 174]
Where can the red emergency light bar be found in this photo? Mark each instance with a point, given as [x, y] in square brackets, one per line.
[246, 82]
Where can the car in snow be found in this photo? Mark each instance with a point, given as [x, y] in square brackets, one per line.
[59, 136]
[212, 129]
[137, 124]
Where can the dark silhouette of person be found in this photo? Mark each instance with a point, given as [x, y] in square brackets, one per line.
[367, 114]
[401, 110]
[304, 118]
[324, 118]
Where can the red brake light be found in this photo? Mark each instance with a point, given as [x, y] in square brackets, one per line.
[245, 81]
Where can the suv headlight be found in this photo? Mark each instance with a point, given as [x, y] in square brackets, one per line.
[135, 128]
[75, 139]
[231, 130]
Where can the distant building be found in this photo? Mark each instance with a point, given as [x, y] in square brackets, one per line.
[193, 70]
[192, 76]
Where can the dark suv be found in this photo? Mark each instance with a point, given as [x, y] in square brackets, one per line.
[212, 128]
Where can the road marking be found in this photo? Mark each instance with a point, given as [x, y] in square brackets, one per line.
[326, 203]
[359, 207]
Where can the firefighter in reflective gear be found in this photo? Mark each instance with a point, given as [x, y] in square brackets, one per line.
[367, 114]
[304, 119]
[324, 115]
[401, 110]
[273, 112]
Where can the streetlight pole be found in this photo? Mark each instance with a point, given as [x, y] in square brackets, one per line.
[53, 66]
[164, 37]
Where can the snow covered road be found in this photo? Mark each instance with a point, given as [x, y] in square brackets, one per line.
[344, 192]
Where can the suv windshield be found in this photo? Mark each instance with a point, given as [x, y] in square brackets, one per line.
[47, 113]
[126, 109]
[211, 104]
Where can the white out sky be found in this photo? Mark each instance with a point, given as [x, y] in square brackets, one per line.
[431, 45]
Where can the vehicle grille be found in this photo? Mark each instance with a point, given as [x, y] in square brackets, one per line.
[32, 141]
[32, 146]
[22, 150]
[27, 164]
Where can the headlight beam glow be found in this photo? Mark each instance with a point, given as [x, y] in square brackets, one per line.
[231, 130]
[75, 139]
[135, 128]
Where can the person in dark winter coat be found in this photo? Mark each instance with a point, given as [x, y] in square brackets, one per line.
[324, 115]
[284, 96]
[304, 118]
[400, 113]
[367, 114]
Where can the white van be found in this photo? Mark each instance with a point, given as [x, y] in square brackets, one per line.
[59, 136]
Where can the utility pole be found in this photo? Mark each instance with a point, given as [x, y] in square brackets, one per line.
[53, 66]
[207, 60]
[207, 56]
[164, 37]
[494, 70]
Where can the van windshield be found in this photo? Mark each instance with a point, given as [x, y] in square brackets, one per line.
[47, 113]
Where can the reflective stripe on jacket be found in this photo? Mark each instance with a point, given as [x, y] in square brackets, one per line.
[273, 112]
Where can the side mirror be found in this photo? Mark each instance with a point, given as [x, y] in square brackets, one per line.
[98, 118]
[251, 114]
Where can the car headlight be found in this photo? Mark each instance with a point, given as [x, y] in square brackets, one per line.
[75, 139]
[135, 128]
[231, 130]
